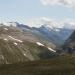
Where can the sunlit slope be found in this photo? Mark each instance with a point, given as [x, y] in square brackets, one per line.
[18, 46]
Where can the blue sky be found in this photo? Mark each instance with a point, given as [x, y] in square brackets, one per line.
[21, 10]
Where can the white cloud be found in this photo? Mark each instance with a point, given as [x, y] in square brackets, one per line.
[66, 3]
[38, 22]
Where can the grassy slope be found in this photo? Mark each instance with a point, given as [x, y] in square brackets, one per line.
[64, 65]
[9, 53]
[28, 50]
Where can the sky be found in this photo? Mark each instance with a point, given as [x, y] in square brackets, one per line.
[23, 10]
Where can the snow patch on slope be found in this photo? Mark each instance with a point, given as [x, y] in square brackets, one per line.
[5, 39]
[15, 43]
[15, 39]
[40, 44]
[51, 49]
[5, 28]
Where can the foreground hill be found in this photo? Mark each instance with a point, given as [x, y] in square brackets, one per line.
[64, 65]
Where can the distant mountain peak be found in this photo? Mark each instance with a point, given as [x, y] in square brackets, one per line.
[47, 22]
[10, 24]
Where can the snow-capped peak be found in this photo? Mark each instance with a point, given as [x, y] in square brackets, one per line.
[10, 24]
[50, 23]
[46, 22]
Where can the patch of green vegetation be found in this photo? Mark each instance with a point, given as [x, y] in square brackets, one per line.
[64, 65]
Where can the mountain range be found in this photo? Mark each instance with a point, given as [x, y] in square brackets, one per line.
[21, 42]
[55, 34]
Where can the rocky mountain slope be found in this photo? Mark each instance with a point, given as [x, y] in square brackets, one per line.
[17, 45]
[69, 45]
